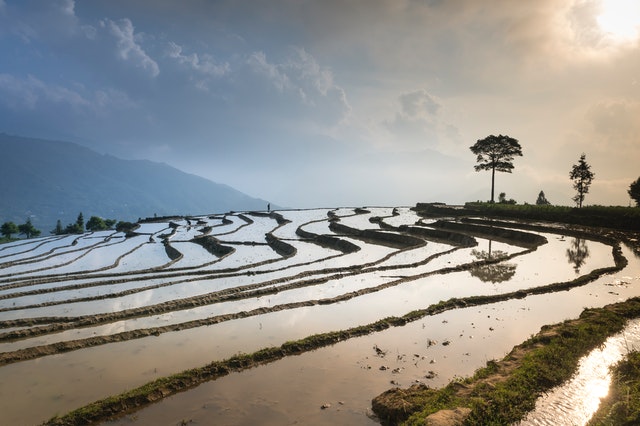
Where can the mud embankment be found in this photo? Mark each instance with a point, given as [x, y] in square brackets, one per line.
[382, 238]
[328, 241]
[495, 233]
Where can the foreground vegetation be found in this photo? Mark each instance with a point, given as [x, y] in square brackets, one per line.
[622, 405]
[504, 392]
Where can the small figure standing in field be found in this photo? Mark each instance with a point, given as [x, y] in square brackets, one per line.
[268, 207]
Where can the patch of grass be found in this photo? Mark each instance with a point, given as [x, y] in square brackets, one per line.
[622, 405]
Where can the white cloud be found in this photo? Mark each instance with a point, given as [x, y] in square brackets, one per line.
[68, 7]
[418, 104]
[204, 65]
[258, 62]
[128, 47]
[31, 93]
[301, 76]
[420, 122]
[27, 93]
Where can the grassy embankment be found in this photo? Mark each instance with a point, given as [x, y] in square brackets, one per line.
[504, 391]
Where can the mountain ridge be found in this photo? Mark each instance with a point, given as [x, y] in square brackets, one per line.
[47, 181]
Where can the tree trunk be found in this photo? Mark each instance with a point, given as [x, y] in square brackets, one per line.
[493, 179]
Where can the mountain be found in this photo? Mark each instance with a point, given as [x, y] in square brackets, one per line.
[50, 181]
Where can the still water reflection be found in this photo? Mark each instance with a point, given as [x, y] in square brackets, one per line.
[577, 253]
[492, 272]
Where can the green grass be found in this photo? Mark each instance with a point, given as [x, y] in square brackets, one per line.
[622, 405]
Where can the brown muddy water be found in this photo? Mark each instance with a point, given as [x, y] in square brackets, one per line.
[332, 385]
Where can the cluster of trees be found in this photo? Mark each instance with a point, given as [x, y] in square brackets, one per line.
[95, 223]
[27, 229]
[496, 153]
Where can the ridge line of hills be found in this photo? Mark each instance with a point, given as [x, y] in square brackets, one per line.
[48, 181]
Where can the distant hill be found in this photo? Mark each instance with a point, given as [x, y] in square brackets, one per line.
[50, 181]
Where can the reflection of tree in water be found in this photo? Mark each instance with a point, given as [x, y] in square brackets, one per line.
[492, 272]
[577, 253]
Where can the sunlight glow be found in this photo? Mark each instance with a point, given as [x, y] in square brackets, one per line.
[620, 20]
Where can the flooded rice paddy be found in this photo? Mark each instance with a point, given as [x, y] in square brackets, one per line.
[87, 316]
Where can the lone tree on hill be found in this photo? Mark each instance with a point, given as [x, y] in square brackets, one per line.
[634, 191]
[496, 153]
[582, 176]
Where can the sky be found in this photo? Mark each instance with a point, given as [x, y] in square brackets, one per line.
[331, 103]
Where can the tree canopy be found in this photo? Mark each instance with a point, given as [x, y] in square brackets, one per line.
[542, 199]
[634, 191]
[28, 230]
[96, 223]
[496, 153]
[582, 176]
[9, 228]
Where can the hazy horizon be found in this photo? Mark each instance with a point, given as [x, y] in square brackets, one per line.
[324, 103]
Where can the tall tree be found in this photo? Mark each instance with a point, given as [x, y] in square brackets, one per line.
[634, 191]
[76, 228]
[58, 230]
[542, 199]
[8, 228]
[582, 176]
[80, 222]
[28, 230]
[496, 153]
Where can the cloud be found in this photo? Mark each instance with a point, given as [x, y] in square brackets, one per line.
[206, 65]
[616, 119]
[36, 96]
[68, 7]
[300, 77]
[419, 104]
[27, 93]
[128, 47]
[420, 122]
[52, 21]
[258, 62]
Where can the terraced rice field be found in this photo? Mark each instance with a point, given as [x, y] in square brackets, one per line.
[86, 316]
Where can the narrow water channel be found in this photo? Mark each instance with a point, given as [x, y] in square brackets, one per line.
[575, 402]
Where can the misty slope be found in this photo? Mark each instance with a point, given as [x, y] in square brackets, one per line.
[49, 180]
